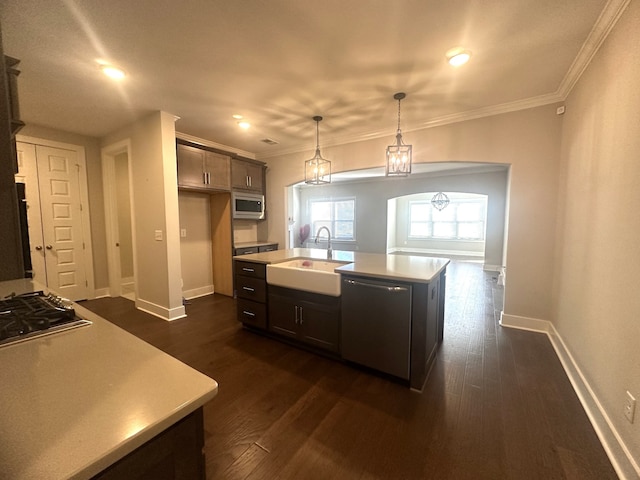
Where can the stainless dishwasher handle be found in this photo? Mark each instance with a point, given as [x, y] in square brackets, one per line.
[380, 287]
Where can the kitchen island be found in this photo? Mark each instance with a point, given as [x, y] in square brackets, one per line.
[96, 401]
[399, 340]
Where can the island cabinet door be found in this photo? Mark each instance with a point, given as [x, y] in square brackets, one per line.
[319, 325]
[283, 316]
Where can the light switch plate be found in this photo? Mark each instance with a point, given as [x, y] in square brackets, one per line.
[158, 235]
[629, 407]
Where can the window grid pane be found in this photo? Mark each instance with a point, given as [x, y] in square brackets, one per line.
[462, 219]
[337, 215]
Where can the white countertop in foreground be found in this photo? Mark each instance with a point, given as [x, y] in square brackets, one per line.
[77, 401]
[406, 268]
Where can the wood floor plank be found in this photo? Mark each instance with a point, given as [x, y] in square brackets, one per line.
[497, 404]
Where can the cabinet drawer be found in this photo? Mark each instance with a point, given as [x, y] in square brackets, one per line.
[246, 250]
[252, 313]
[251, 288]
[268, 248]
[251, 269]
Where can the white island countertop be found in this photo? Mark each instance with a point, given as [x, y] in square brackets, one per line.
[407, 268]
[77, 401]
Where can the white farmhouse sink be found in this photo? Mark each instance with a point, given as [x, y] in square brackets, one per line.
[306, 274]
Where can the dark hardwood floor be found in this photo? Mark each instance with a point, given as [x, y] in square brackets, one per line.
[497, 405]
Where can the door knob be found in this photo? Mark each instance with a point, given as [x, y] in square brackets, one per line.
[39, 247]
[48, 247]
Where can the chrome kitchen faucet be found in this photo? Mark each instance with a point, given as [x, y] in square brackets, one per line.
[328, 241]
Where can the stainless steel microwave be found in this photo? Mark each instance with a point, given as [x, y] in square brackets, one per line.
[248, 206]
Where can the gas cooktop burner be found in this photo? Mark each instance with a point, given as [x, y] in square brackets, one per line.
[34, 314]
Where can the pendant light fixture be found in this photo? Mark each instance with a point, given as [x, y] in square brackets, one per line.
[317, 171]
[440, 201]
[398, 155]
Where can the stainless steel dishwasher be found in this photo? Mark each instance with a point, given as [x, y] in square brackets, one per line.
[376, 324]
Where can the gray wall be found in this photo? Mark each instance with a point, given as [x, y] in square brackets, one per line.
[371, 205]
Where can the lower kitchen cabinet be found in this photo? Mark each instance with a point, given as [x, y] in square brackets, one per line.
[251, 288]
[252, 313]
[310, 318]
[174, 453]
[257, 248]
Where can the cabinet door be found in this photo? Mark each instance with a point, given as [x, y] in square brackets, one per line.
[256, 176]
[218, 170]
[319, 326]
[283, 316]
[190, 166]
[247, 175]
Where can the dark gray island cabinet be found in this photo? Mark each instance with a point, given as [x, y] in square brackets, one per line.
[308, 317]
[388, 318]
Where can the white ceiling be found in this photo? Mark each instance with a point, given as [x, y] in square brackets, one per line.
[280, 62]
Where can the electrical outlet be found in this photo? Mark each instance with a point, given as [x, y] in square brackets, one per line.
[629, 407]
[183, 232]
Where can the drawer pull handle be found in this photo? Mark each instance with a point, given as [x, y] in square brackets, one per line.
[388, 288]
[249, 289]
[245, 269]
[249, 314]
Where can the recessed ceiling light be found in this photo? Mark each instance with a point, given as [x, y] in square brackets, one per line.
[458, 56]
[113, 72]
[237, 117]
[244, 124]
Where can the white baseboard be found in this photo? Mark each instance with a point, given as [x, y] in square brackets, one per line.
[197, 292]
[524, 323]
[623, 462]
[168, 314]
[101, 292]
[491, 268]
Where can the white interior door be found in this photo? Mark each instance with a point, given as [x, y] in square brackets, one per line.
[28, 174]
[54, 215]
[59, 181]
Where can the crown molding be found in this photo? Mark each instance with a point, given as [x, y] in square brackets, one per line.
[219, 146]
[434, 122]
[601, 29]
[609, 16]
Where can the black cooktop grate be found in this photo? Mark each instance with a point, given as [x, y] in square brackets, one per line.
[33, 314]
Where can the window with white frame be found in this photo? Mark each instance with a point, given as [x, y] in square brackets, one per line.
[338, 215]
[463, 219]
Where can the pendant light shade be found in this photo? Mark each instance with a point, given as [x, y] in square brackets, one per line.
[317, 171]
[398, 155]
[440, 201]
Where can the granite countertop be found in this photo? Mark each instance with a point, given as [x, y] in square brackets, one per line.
[77, 401]
[408, 268]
